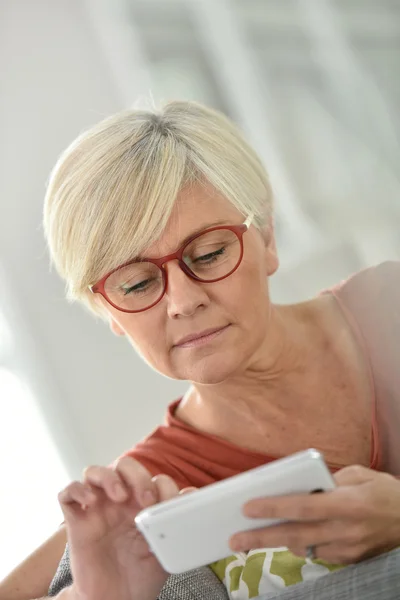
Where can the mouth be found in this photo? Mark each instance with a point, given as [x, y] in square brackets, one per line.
[201, 338]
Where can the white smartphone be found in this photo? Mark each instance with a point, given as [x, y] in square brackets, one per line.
[193, 530]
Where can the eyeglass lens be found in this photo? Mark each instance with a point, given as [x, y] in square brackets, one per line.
[210, 256]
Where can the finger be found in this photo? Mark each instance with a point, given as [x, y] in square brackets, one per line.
[292, 535]
[333, 504]
[319, 553]
[187, 490]
[336, 554]
[138, 480]
[76, 493]
[166, 487]
[108, 480]
[354, 475]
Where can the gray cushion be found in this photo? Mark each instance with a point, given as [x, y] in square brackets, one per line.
[198, 584]
[374, 579]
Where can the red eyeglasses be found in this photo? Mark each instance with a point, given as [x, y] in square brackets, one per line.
[209, 256]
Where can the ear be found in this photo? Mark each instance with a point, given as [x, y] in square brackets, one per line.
[271, 251]
[116, 328]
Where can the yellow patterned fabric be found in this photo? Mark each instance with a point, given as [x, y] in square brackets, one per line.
[248, 575]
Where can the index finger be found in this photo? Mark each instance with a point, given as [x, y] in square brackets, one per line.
[138, 479]
[302, 507]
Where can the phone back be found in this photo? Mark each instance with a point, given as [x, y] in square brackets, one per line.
[193, 530]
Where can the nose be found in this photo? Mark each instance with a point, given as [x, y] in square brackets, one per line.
[184, 294]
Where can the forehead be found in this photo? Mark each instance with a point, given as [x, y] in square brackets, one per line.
[197, 207]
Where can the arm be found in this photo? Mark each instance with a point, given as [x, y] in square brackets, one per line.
[66, 594]
[32, 578]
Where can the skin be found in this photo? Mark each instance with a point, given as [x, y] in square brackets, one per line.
[189, 306]
[359, 520]
[109, 557]
[262, 367]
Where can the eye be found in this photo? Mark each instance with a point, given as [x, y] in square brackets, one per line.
[138, 287]
[210, 256]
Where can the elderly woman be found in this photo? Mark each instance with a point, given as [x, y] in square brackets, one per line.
[161, 222]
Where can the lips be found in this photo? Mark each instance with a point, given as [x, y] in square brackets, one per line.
[197, 336]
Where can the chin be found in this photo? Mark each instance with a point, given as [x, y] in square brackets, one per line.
[211, 370]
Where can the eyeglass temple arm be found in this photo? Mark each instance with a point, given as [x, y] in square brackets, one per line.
[248, 220]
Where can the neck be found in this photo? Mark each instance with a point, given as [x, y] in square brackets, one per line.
[263, 389]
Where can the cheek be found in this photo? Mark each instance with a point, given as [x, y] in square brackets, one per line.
[147, 334]
[248, 288]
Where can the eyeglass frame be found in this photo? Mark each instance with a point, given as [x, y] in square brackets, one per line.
[238, 230]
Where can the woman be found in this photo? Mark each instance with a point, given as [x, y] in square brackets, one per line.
[162, 224]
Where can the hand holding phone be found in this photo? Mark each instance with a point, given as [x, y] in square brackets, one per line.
[193, 530]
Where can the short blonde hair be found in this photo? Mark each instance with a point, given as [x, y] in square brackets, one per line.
[112, 191]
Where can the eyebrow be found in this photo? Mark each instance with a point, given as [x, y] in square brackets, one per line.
[193, 233]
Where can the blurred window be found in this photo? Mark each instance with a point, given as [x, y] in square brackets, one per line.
[31, 474]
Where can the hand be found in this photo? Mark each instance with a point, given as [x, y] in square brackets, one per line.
[357, 520]
[109, 557]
